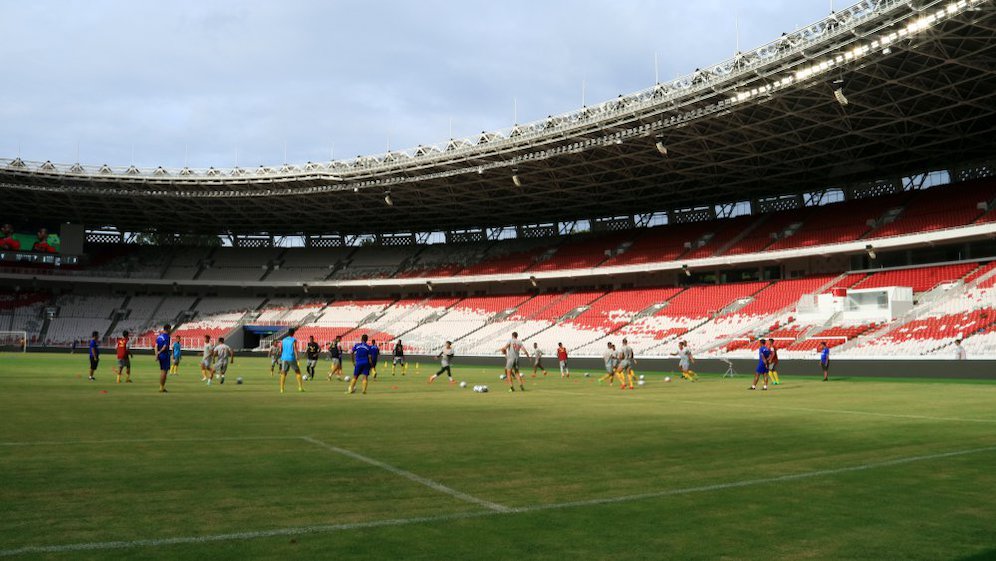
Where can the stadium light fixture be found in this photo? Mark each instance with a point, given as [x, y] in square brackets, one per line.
[870, 249]
[515, 177]
[684, 269]
[428, 285]
[839, 95]
[387, 198]
[532, 280]
[661, 147]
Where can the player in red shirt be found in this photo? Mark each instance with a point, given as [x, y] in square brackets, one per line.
[124, 358]
[7, 240]
[562, 359]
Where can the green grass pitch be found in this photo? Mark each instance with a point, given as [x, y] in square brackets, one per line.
[852, 469]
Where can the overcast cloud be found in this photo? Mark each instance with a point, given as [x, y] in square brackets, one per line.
[249, 76]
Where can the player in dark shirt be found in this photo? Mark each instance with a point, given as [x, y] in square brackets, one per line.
[312, 351]
[399, 358]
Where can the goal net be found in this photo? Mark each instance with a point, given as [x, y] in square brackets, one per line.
[13, 341]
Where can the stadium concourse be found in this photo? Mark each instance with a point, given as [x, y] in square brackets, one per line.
[913, 308]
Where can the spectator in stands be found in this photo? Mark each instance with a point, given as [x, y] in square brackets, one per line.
[41, 246]
[7, 240]
[959, 351]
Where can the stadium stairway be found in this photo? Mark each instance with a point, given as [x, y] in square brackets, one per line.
[754, 225]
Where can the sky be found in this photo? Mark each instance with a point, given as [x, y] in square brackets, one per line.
[220, 82]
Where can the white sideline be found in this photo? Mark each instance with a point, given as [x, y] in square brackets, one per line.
[325, 529]
[409, 475]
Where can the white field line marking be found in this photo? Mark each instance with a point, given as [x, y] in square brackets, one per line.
[409, 475]
[150, 440]
[326, 529]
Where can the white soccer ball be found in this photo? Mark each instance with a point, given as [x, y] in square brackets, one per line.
[238, 380]
[484, 389]
[667, 378]
[587, 374]
[463, 384]
[641, 376]
[640, 383]
[502, 377]
[348, 378]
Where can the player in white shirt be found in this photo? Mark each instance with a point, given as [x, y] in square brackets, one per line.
[223, 356]
[206, 360]
[959, 351]
[445, 357]
[538, 360]
[511, 351]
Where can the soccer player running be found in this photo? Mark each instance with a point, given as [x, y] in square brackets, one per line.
[177, 357]
[763, 358]
[207, 374]
[374, 355]
[538, 359]
[511, 351]
[685, 362]
[288, 360]
[626, 363]
[824, 351]
[312, 351]
[94, 354]
[361, 364]
[275, 350]
[162, 356]
[335, 355]
[223, 355]
[565, 372]
[124, 358]
[399, 358]
[445, 357]
[773, 363]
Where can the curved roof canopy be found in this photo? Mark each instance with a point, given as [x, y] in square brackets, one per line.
[884, 88]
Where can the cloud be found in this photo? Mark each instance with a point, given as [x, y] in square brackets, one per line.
[249, 76]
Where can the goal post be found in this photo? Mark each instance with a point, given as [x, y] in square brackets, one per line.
[14, 341]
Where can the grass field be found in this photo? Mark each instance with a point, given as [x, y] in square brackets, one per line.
[852, 469]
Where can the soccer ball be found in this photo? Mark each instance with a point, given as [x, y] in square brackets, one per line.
[238, 380]
[348, 378]
[587, 374]
[463, 384]
[640, 383]
[667, 378]
[502, 377]
[641, 376]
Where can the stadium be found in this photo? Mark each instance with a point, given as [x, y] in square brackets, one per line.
[831, 193]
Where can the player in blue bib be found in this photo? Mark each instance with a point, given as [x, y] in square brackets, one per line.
[361, 364]
[763, 364]
[374, 355]
[177, 357]
[162, 356]
[288, 361]
[824, 351]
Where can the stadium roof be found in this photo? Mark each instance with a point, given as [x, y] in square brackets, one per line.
[882, 89]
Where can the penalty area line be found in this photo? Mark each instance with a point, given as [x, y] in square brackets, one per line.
[435, 485]
[331, 528]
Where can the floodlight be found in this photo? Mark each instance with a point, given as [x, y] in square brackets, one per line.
[871, 251]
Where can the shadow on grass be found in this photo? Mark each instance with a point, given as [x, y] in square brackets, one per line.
[989, 555]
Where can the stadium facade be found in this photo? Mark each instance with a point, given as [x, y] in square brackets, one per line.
[833, 185]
